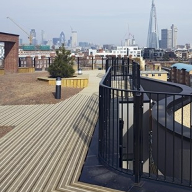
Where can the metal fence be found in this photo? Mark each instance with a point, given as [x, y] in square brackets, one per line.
[37, 63]
[142, 133]
[83, 63]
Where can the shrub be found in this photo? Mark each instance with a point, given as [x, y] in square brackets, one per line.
[62, 65]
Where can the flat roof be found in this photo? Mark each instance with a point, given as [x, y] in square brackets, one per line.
[154, 72]
[8, 34]
[182, 66]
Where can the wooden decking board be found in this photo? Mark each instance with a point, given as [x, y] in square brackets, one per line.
[58, 172]
[47, 148]
[35, 131]
[32, 121]
[42, 166]
[19, 176]
[82, 141]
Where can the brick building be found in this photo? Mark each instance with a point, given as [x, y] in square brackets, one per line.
[11, 46]
[181, 73]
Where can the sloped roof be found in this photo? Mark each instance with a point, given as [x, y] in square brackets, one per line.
[182, 66]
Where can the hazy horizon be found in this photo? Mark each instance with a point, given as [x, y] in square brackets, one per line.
[99, 22]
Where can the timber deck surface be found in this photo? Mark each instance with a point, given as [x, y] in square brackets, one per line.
[47, 148]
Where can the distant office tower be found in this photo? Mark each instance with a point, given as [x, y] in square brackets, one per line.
[153, 37]
[74, 39]
[174, 36]
[169, 38]
[69, 42]
[62, 38]
[33, 35]
[166, 39]
[56, 41]
[43, 38]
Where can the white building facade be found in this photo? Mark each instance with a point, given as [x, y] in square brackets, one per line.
[133, 51]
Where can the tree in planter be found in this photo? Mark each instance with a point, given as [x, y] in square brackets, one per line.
[62, 65]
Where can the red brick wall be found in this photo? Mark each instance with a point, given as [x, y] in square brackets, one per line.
[11, 52]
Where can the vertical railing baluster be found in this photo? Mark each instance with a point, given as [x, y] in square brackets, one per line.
[78, 64]
[113, 128]
[117, 134]
[173, 166]
[102, 63]
[182, 116]
[138, 113]
[157, 138]
[107, 65]
[138, 77]
[150, 133]
[165, 159]
[190, 166]
[92, 63]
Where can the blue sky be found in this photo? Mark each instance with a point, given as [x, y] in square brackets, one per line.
[99, 22]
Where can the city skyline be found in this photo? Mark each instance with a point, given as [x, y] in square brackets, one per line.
[101, 23]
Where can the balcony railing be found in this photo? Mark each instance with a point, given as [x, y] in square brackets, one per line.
[145, 125]
[84, 63]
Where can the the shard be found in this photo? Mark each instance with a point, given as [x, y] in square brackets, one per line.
[153, 37]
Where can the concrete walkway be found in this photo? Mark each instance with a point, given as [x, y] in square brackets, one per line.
[47, 148]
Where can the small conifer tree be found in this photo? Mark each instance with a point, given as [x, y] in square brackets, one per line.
[62, 65]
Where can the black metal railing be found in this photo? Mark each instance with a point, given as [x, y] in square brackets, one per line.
[84, 63]
[142, 132]
[37, 63]
[90, 63]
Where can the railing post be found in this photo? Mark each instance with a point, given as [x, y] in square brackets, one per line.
[19, 62]
[121, 123]
[49, 61]
[107, 65]
[133, 76]
[100, 119]
[34, 62]
[78, 63]
[126, 83]
[92, 62]
[128, 65]
[138, 113]
[102, 63]
[138, 77]
[123, 67]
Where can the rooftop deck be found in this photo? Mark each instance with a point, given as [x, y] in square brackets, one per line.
[47, 149]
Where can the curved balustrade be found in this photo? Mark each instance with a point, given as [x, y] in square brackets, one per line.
[138, 133]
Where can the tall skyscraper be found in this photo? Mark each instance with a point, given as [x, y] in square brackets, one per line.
[62, 38]
[33, 35]
[169, 38]
[153, 37]
[43, 38]
[166, 39]
[174, 36]
[74, 39]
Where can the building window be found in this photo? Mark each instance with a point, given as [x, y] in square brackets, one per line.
[159, 74]
[153, 74]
